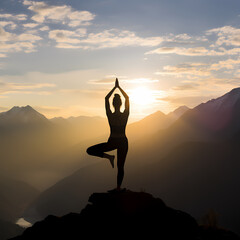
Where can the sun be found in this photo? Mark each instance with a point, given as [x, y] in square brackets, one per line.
[142, 96]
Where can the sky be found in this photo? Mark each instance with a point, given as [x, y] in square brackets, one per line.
[62, 57]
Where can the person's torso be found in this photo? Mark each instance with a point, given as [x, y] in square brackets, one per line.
[117, 124]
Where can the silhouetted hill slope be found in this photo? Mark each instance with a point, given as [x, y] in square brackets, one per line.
[15, 196]
[177, 113]
[121, 215]
[148, 125]
[216, 120]
[153, 123]
[9, 230]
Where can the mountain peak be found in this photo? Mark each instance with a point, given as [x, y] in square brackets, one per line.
[181, 109]
[156, 114]
[235, 91]
[21, 115]
[178, 112]
[17, 109]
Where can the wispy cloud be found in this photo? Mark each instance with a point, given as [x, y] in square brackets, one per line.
[18, 17]
[196, 51]
[226, 35]
[190, 101]
[186, 86]
[198, 69]
[66, 36]
[65, 14]
[227, 64]
[30, 25]
[6, 88]
[106, 39]
[111, 80]
[9, 24]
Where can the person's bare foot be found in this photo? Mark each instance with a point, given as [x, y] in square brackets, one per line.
[111, 159]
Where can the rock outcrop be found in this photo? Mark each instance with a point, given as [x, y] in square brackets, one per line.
[121, 215]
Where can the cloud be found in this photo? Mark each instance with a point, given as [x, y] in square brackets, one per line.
[105, 80]
[28, 37]
[106, 39]
[11, 42]
[10, 24]
[123, 79]
[228, 64]
[184, 38]
[226, 35]
[91, 93]
[18, 17]
[44, 28]
[68, 37]
[10, 87]
[198, 69]
[196, 51]
[190, 101]
[115, 38]
[5, 36]
[63, 14]
[187, 86]
[30, 25]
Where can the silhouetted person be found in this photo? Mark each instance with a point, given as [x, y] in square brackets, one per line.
[117, 140]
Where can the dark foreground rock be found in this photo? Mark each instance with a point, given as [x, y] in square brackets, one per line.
[123, 215]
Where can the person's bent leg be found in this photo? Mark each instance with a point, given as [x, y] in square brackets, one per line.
[99, 150]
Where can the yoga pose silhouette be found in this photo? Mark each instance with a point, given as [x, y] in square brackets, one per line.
[117, 140]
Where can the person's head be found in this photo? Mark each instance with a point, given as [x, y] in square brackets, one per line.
[117, 102]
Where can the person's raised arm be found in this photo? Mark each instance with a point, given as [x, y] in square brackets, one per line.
[125, 96]
[107, 105]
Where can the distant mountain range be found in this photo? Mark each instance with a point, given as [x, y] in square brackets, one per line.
[153, 123]
[26, 117]
[45, 150]
[193, 164]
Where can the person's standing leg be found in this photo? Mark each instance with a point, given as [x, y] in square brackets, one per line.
[121, 157]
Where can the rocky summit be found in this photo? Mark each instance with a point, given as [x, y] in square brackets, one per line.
[122, 215]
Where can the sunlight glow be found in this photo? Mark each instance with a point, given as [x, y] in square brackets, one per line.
[142, 96]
